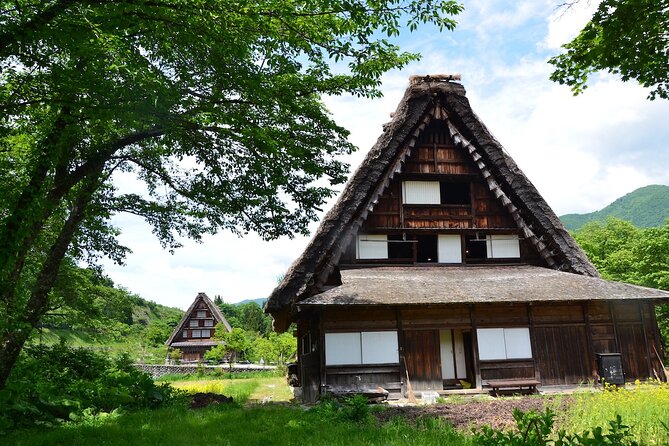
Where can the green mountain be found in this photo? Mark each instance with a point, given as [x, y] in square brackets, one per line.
[645, 207]
[260, 301]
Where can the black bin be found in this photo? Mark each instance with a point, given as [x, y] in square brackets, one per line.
[610, 368]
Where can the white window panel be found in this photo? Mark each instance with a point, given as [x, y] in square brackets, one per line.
[342, 348]
[491, 344]
[193, 323]
[380, 347]
[447, 357]
[518, 345]
[504, 343]
[201, 314]
[460, 359]
[208, 323]
[206, 333]
[421, 192]
[372, 246]
[184, 333]
[503, 246]
[449, 248]
[196, 333]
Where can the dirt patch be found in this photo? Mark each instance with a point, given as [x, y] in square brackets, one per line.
[497, 413]
[200, 400]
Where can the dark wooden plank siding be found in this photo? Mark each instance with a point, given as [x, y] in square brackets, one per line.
[504, 315]
[506, 370]
[368, 319]
[387, 377]
[437, 317]
[565, 339]
[421, 350]
[562, 354]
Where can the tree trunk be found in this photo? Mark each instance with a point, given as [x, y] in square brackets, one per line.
[38, 304]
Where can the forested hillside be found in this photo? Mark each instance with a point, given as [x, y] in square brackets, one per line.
[645, 207]
[107, 317]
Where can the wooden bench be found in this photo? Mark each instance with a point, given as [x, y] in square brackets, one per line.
[497, 384]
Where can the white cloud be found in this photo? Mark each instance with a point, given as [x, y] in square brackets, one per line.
[565, 22]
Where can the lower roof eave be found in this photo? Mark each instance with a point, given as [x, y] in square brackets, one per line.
[403, 286]
[312, 306]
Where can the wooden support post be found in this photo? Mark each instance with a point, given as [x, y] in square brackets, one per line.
[321, 352]
[615, 327]
[645, 339]
[530, 321]
[657, 343]
[475, 352]
[591, 346]
[400, 347]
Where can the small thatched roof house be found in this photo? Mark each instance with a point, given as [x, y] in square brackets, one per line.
[442, 262]
[194, 333]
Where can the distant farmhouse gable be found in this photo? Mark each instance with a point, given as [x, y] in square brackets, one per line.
[194, 333]
[441, 261]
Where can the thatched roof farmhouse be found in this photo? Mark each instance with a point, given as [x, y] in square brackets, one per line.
[441, 265]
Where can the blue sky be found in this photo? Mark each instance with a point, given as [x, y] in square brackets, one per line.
[581, 152]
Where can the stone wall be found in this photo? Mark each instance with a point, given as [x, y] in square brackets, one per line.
[158, 370]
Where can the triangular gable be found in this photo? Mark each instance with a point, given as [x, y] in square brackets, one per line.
[219, 318]
[426, 99]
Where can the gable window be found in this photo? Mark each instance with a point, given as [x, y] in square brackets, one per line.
[206, 333]
[497, 246]
[449, 248]
[497, 344]
[372, 246]
[427, 251]
[455, 192]
[503, 246]
[196, 333]
[475, 248]
[421, 192]
[184, 333]
[209, 323]
[194, 323]
[399, 247]
[436, 192]
[202, 314]
[367, 347]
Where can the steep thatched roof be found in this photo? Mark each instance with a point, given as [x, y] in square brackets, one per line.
[411, 285]
[426, 99]
[211, 306]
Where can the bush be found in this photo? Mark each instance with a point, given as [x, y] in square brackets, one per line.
[354, 408]
[534, 429]
[52, 384]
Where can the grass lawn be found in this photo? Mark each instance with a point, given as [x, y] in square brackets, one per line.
[644, 407]
[242, 390]
[262, 425]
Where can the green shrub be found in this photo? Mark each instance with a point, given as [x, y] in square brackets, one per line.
[535, 429]
[52, 384]
[353, 408]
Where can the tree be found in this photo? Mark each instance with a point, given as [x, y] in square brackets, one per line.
[215, 106]
[235, 344]
[276, 348]
[624, 37]
[254, 319]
